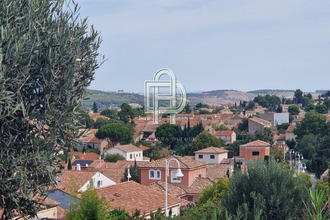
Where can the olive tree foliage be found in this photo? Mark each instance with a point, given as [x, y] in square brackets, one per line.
[48, 57]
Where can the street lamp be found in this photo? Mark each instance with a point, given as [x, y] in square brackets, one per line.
[128, 175]
[304, 167]
[291, 152]
[179, 175]
[283, 146]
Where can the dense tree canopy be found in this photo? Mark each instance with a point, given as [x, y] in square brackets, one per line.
[168, 134]
[48, 57]
[267, 189]
[204, 140]
[294, 109]
[115, 132]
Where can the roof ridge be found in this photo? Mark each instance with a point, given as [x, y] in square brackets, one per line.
[177, 157]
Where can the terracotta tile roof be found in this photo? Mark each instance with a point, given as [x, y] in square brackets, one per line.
[185, 163]
[143, 147]
[115, 171]
[224, 133]
[199, 184]
[172, 189]
[85, 156]
[89, 137]
[260, 121]
[212, 150]
[150, 128]
[250, 112]
[217, 171]
[131, 196]
[225, 161]
[281, 137]
[128, 148]
[257, 143]
[95, 117]
[72, 176]
[197, 187]
[290, 128]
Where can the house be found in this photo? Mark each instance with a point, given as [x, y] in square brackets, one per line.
[84, 156]
[113, 170]
[217, 171]
[257, 124]
[148, 133]
[155, 170]
[250, 113]
[275, 118]
[129, 151]
[255, 149]
[228, 137]
[95, 116]
[211, 155]
[133, 196]
[72, 181]
[81, 164]
[289, 135]
[88, 139]
[281, 140]
[48, 210]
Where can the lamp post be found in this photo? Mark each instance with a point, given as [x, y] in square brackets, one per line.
[291, 152]
[304, 167]
[179, 175]
[128, 175]
[283, 146]
[300, 157]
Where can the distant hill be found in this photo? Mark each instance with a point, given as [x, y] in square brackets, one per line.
[269, 91]
[216, 97]
[111, 99]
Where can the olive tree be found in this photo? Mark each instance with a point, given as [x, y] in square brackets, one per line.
[48, 57]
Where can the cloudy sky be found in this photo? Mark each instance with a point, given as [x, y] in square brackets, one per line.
[213, 44]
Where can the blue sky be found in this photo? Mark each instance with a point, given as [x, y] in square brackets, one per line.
[213, 44]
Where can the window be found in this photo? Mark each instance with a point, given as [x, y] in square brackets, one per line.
[99, 183]
[190, 198]
[130, 156]
[174, 179]
[212, 156]
[200, 156]
[155, 174]
[151, 174]
[255, 153]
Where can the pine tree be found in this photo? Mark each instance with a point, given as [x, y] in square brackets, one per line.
[69, 165]
[95, 109]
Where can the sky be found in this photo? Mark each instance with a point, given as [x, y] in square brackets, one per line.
[213, 44]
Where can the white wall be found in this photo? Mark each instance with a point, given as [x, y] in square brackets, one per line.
[137, 155]
[114, 150]
[98, 177]
[207, 159]
[280, 118]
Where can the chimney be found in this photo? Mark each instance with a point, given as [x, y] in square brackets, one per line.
[78, 167]
[86, 164]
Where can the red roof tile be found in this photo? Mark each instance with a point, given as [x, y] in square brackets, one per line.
[85, 156]
[131, 196]
[185, 163]
[224, 133]
[212, 150]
